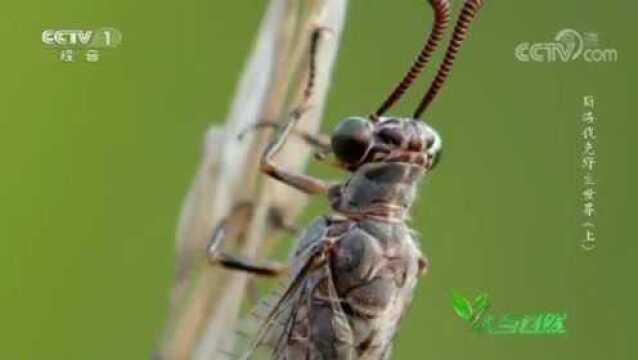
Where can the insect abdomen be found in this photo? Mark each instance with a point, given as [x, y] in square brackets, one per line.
[373, 268]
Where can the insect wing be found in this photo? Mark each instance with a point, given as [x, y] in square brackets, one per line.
[283, 310]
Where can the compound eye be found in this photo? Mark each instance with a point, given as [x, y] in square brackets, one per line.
[351, 139]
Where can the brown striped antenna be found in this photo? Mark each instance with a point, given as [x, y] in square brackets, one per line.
[441, 19]
[469, 11]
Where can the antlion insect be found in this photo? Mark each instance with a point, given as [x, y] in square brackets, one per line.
[353, 272]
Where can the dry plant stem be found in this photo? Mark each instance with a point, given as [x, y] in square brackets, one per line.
[224, 159]
[205, 300]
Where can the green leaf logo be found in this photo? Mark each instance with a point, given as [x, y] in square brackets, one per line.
[472, 312]
[481, 303]
[461, 306]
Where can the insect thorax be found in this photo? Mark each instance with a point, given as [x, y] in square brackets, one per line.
[378, 189]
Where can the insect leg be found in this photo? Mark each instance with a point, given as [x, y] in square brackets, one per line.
[233, 224]
[235, 262]
[305, 183]
[320, 141]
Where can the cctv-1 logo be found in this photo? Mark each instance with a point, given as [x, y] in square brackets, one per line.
[70, 38]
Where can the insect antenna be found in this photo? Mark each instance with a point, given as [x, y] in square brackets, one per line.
[441, 19]
[468, 12]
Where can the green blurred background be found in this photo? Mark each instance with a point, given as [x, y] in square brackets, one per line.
[97, 157]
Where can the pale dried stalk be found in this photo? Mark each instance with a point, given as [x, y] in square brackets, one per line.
[205, 299]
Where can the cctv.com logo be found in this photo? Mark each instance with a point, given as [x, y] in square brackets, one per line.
[568, 45]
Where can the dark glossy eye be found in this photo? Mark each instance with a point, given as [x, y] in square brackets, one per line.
[351, 139]
[390, 136]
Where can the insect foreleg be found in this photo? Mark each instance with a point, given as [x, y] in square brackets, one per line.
[305, 183]
[301, 182]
